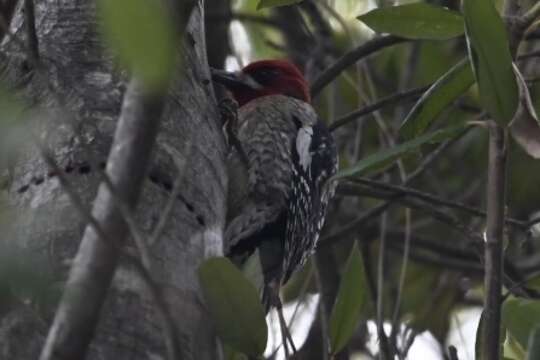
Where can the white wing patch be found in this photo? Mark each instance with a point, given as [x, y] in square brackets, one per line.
[303, 143]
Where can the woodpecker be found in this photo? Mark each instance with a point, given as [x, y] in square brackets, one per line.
[280, 188]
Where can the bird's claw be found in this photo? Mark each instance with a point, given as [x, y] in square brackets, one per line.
[228, 109]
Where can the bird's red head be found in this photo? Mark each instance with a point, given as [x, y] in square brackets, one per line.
[262, 78]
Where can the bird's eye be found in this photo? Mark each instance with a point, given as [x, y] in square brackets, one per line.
[264, 76]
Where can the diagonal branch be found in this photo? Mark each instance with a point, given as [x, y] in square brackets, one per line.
[434, 200]
[352, 57]
[389, 100]
[353, 226]
[96, 260]
[155, 291]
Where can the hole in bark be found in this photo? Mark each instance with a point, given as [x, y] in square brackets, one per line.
[85, 169]
[189, 207]
[190, 39]
[200, 220]
[25, 67]
[69, 168]
[167, 185]
[37, 181]
[23, 189]
[153, 178]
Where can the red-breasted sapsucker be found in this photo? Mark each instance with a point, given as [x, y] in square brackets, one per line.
[279, 188]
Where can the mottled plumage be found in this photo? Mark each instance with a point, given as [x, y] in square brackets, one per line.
[278, 200]
[291, 157]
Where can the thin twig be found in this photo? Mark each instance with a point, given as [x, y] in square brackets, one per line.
[252, 18]
[389, 100]
[384, 353]
[531, 15]
[155, 291]
[327, 276]
[533, 222]
[352, 57]
[354, 225]
[372, 286]
[396, 189]
[170, 329]
[440, 260]
[177, 187]
[402, 274]
[529, 55]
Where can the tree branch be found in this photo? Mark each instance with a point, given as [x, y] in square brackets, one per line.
[352, 57]
[389, 100]
[434, 200]
[496, 190]
[96, 260]
[356, 224]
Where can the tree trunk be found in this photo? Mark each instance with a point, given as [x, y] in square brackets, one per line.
[74, 96]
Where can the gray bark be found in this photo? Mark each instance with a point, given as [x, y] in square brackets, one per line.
[74, 99]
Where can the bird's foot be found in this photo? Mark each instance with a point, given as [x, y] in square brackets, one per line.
[275, 301]
[228, 109]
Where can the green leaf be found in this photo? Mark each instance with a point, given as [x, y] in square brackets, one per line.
[274, 3]
[415, 21]
[441, 94]
[521, 317]
[490, 56]
[231, 354]
[533, 349]
[234, 305]
[143, 35]
[350, 300]
[525, 127]
[512, 349]
[385, 157]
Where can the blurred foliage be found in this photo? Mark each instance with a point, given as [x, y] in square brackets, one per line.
[415, 21]
[444, 91]
[143, 35]
[234, 304]
[386, 157]
[491, 59]
[350, 301]
[25, 276]
[273, 3]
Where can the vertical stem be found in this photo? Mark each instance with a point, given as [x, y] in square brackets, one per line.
[384, 352]
[496, 191]
[327, 284]
[328, 280]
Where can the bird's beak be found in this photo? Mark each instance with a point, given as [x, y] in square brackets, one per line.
[234, 80]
